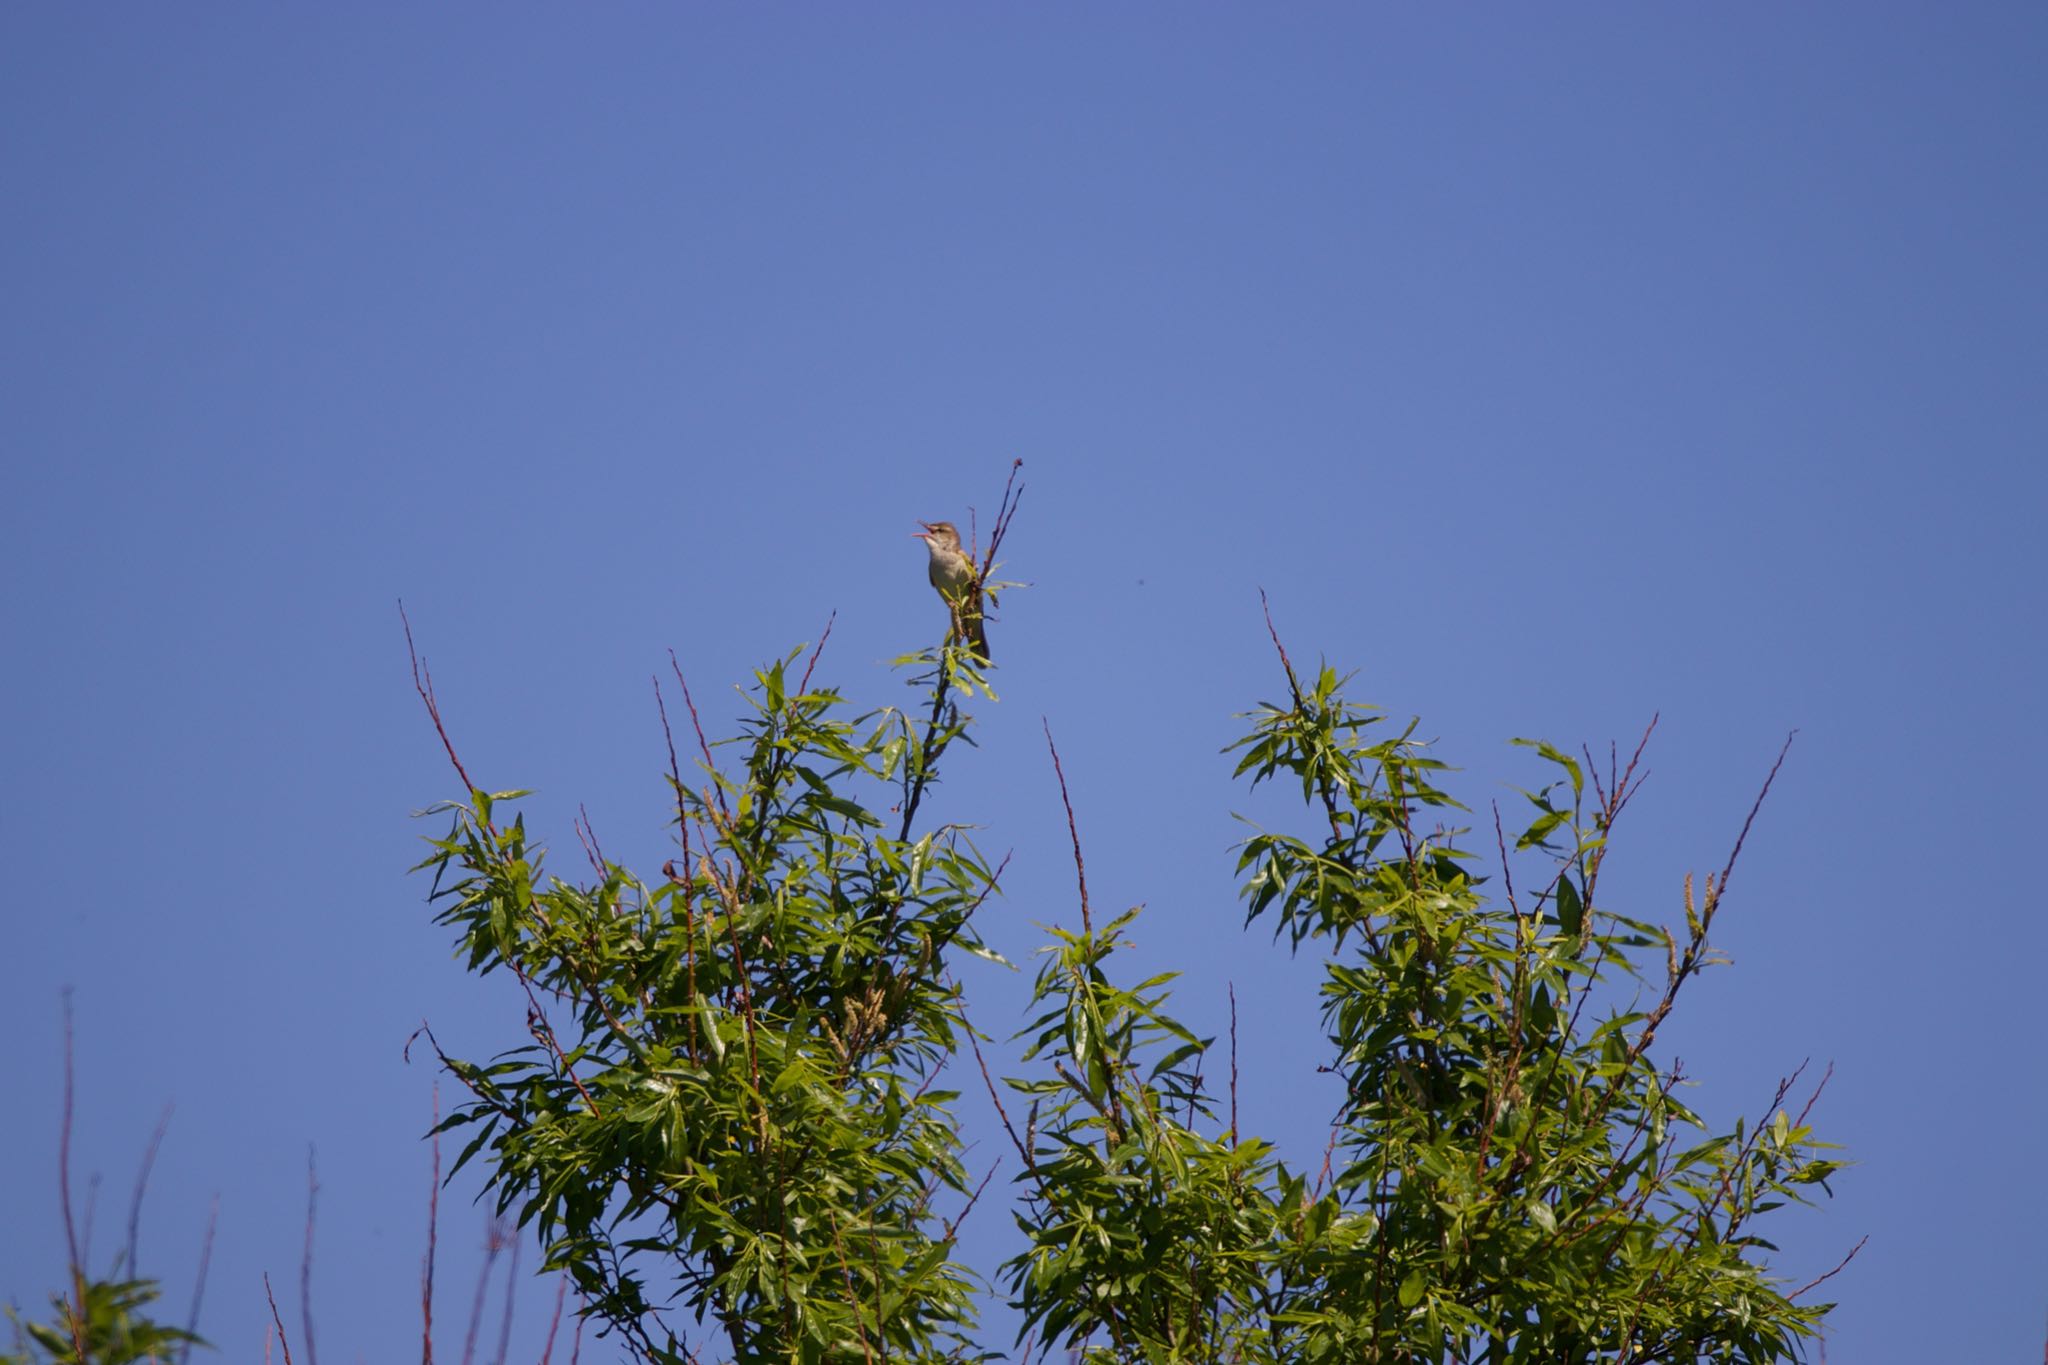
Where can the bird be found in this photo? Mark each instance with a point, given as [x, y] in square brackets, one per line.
[953, 574]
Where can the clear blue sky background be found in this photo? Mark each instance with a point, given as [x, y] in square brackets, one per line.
[1554, 368]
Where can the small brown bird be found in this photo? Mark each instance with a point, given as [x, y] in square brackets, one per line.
[952, 573]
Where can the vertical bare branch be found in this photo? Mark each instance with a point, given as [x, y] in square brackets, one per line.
[511, 1298]
[817, 649]
[423, 683]
[433, 1228]
[1006, 512]
[156, 1140]
[1728, 869]
[555, 1322]
[1233, 1063]
[1080, 869]
[199, 1283]
[494, 1243]
[75, 1312]
[697, 724]
[306, 1264]
[283, 1344]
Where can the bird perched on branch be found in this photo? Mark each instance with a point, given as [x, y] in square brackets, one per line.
[954, 575]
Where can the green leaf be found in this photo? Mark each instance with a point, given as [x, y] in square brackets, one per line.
[1571, 911]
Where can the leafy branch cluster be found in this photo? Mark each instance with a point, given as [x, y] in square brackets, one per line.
[744, 1105]
[1510, 1177]
[729, 1108]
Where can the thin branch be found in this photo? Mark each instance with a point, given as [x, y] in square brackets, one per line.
[805, 686]
[997, 1100]
[1818, 1086]
[494, 1244]
[306, 1264]
[92, 1216]
[555, 1322]
[953, 1225]
[156, 1140]
[1233, 1063]
[423, 683]
[1728, 870]
[928, 750]
[511, 1298]
[199, 1283]
[1839, 1268]
[1690, 962]
[1500, 844]
[433, 1227]
[1006, 512]
[75, 1314]
[703, 745]
[274, 1317]
[1080, 870]
[675, 774]
[586, 835]
[544, 1033]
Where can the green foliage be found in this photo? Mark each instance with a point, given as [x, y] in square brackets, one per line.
[1519, 1181]
[102, 1323]
[745, 1112]
[742, 1115]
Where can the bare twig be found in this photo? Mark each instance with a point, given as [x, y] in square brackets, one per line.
[1689, 962]
[1500, 844]
[1840, 1266]
[433, 1228]
[511, 1298]
[1233, 1063]
[199, 1282]
[1728, 870]
[586, 835]
[817, 649]
[156, 1140]
[1006, 512]
[555, 1322]
[494, 1244]
[953, 1224]
[76, 1310]
[423, 683]
[306, 1264]
[283, 1344]
[92, 1217]
[1001, 1113]
[697, 724]
[1818, 1086]
[1080, 870]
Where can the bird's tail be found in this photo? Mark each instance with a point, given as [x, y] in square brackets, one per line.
[976, 631]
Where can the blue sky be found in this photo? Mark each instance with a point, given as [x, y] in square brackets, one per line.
[1554, 369]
